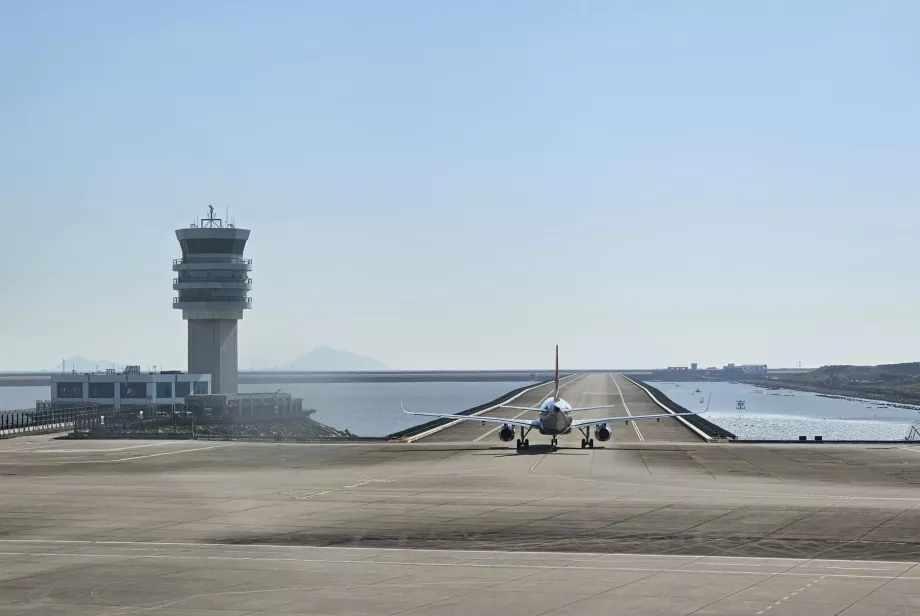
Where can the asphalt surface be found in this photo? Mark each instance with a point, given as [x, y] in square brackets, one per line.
[222, 529]
[586, 390]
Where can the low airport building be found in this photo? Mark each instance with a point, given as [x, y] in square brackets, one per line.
[128, 388]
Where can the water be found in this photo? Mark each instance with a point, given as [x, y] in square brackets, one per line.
[372, 409]
[785, 414]
[365, 409]
[18, 398]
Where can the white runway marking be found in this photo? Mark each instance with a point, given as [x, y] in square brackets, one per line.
[497, 559]
[103, 461]
[740, 560]
[113, 449]
[623, 400]
[167, 453]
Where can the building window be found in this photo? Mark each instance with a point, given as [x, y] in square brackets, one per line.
[70, 390]
[182, 389]
[201, 388]
[102, 390]
[134, 391]
[213, 245]
[164, 390]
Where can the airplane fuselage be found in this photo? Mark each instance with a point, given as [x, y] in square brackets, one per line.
[555, 417]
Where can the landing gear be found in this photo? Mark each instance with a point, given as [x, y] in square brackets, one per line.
[587, 441]
[523, 442]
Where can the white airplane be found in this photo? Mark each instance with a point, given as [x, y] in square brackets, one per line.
[556, 417]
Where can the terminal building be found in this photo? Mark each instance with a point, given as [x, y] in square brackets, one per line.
[129, 388]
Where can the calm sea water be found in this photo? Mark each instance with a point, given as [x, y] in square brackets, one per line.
[786, 414]
[366, 409]
[372, 409]
[17, 398]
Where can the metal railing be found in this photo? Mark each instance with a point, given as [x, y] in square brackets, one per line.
[220, 280]
[213, 299]
[235, 260]
[32, 420]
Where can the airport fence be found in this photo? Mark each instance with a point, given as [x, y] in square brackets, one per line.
[42, 419]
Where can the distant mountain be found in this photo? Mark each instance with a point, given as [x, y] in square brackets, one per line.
[81, 364]
[326, 359]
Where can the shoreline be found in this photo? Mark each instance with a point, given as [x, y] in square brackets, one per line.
[895, 399]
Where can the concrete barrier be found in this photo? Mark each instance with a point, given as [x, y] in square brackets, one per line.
[9, 432]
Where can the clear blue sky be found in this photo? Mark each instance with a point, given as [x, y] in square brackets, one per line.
[466, 184]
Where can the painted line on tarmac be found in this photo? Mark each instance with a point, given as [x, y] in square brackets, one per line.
[793, 562]
[461, 564]
[168, 453]
[623, 400]
[75, 461]
[113, 449]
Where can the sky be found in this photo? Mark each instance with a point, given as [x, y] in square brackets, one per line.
[466, 184]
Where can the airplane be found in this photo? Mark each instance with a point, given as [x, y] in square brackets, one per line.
[556, 417]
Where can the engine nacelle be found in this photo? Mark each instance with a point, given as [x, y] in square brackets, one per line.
[506, 433]
[602, 433]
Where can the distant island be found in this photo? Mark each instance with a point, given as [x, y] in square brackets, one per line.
[888, 382]
[325, 359]
[81, 364]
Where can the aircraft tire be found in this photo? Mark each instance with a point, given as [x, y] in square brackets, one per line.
[591, 443]
[526, 443]
[584, 443]
[519, 443]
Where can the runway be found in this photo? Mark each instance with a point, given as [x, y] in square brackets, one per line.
[583, 390]
[196, 528]
[221, 580]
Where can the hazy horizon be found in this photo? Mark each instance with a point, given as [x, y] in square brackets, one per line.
[466, 185]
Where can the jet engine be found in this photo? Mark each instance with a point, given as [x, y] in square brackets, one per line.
[506, 433]
[602, 433]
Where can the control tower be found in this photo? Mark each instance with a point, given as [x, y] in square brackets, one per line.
[213, 284]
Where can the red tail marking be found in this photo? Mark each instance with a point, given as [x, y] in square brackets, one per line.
[556, 392]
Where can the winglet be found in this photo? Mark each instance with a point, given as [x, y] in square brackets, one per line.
[556, 389]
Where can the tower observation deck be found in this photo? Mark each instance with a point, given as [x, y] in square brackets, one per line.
[213, 284]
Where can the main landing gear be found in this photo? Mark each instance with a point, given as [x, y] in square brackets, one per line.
[587, 441]
[523, 442]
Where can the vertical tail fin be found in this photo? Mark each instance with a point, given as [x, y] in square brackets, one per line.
[556, 389]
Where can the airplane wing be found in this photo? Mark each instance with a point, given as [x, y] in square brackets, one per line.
[527, 423]
[590, 422]
[522, 408]
[593, 408]
[537, 408]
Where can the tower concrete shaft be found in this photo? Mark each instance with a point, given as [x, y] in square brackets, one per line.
[213, 284]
